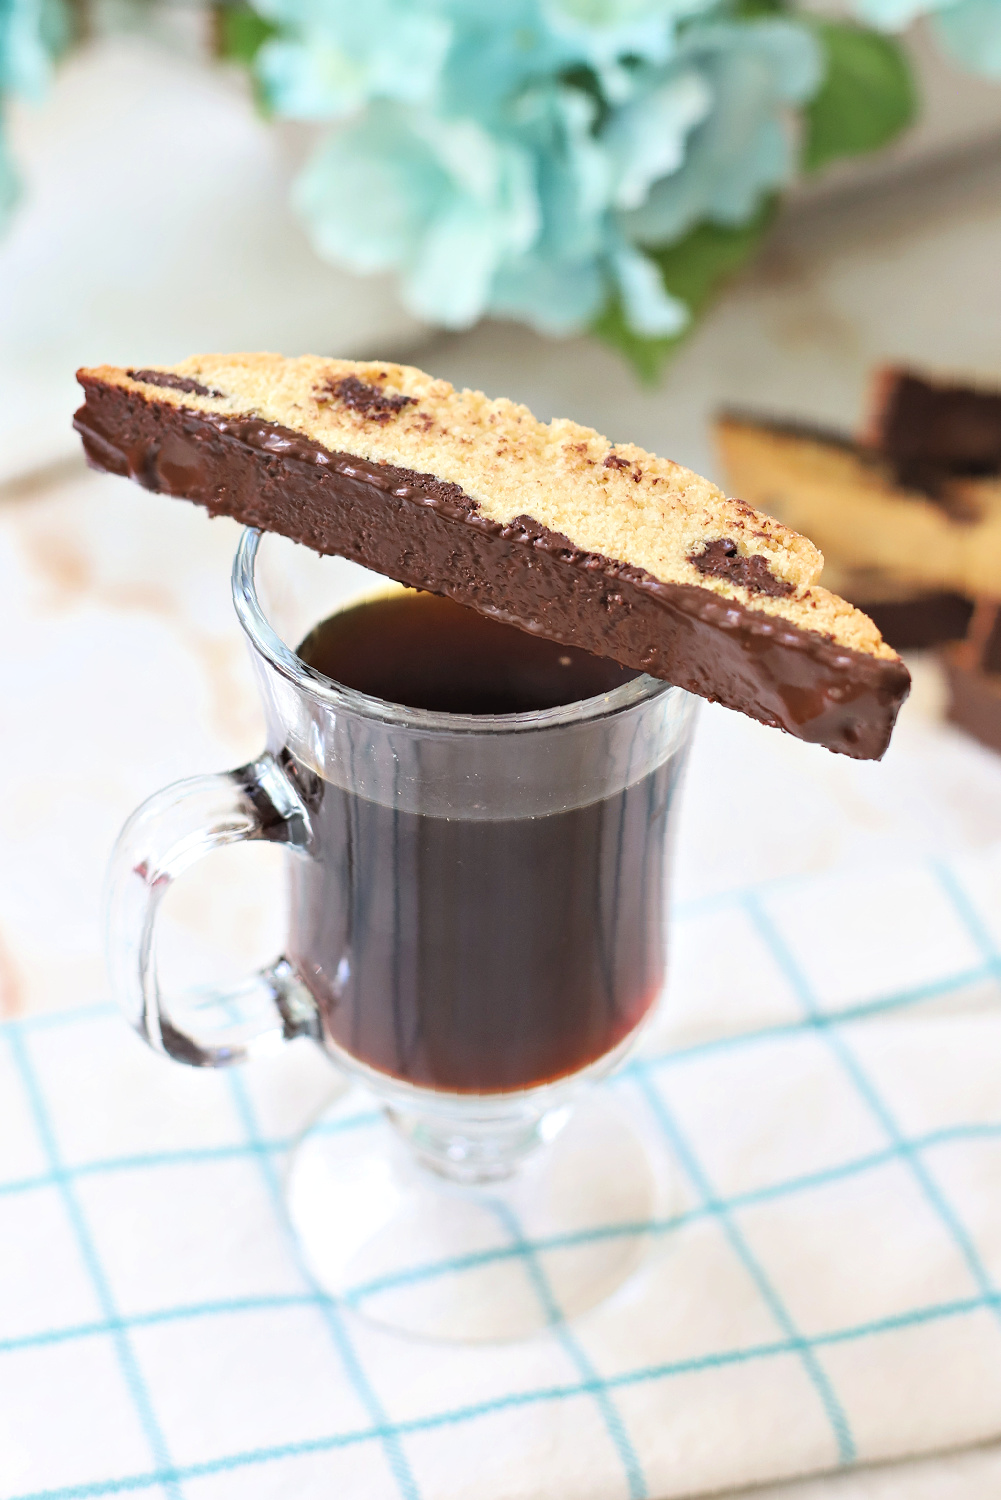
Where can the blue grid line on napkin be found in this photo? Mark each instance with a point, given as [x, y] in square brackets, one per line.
[331, 1314]
[967, 914]
[714, 1205]
[119, 1334]
[911, 1150]
[170, 1476]
[517, 1250]
[537, 1276]
[902, 1148]
[526, 1251]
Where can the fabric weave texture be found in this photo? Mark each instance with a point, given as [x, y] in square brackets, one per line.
[823, 1084]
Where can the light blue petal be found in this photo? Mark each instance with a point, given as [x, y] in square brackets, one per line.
[604, 32]
[29, 35]
[587, 160]
[573, 172]
[609, 13]
[369, 193]
[499, 49]
[492, 214]
[650, 310]
[647, 137]
[890, 15]
[553, 296]
[643, 31]
[310, 81]
[790, 53]
[493, 173]
[333, 58]
[741, 150]
[450, 281]
[768, 162]
[650, 37]
[971, 31]
[441, 201]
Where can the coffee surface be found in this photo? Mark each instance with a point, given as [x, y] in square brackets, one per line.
[424, 651]
[476, 955]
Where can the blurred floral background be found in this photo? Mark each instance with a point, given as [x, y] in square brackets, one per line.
[574, 165]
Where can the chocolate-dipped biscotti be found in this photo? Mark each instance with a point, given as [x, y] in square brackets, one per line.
[934, 430]
[946, 536]
[546, 526]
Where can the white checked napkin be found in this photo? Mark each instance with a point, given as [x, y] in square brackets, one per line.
[826, 1081]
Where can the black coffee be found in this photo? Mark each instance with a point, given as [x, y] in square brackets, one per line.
[476, 955]
[426, 652]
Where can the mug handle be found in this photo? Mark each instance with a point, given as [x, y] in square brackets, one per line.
[171, 831]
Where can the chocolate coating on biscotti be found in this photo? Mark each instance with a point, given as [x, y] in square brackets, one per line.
[926, 426]
[429, 534]
[917, 621]
[974, 701]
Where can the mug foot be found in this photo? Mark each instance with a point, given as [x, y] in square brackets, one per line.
[432, 1255]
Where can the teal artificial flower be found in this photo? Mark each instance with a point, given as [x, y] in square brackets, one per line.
[581, 256]
[332, 57]
[969, 29]
[741, 148]
[611, 37]
[499, 53]
[32, 33]
[648, 138]
[440, 201]
[519, 224]
[556, 283]
[24, 54]
[576, 109]
[519, 188]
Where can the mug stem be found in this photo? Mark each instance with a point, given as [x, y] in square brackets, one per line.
[474, 1148]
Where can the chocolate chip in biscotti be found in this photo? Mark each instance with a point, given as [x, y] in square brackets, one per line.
[170, 382]
[370, 400]
[722, 558]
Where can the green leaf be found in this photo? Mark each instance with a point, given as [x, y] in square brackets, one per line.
[695, 269]
[647, 356]
[754, 10]
[241, 33]
[868, 95]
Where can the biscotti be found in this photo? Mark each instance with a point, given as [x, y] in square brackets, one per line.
[546, 526]
[849, 498]
[934, 430]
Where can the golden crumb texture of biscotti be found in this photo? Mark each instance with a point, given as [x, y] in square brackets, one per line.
[613, 500]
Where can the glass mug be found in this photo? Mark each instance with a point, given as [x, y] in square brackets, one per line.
[477, 931]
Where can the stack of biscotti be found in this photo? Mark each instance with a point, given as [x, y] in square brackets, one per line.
[547, 526]
[908, 516]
